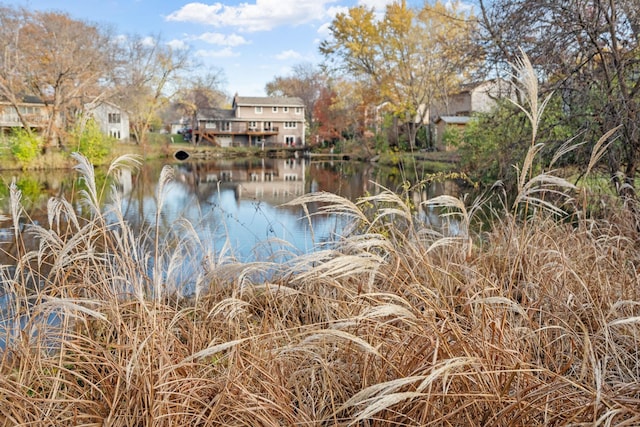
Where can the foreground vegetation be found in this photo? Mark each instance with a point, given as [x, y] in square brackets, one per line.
[532, 322]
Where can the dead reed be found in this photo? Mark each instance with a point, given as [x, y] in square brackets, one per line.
[533, 322]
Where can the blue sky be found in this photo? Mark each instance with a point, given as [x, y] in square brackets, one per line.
[252, 41]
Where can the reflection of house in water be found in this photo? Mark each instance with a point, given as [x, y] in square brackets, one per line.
[271, 180]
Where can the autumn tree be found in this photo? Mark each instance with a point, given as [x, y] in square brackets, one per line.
[305, 82]
[414, 56]
[588, 53]
[58, 59]
[12, 83]
[198, 92]
[148, 77]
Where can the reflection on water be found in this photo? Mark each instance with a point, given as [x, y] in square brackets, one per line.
[232, 204]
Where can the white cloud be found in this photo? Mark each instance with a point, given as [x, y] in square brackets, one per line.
[227, 52]
[333, 11]
[178, 44]
[324, 29]
[222, 39]
[262, 15]
[461, 6]
[288, 54]
[378, 5]
[148, 41]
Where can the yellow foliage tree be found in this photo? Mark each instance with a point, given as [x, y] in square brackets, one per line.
[415, 57]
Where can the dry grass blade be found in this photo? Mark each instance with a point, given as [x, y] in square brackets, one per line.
[600, 148]
[87, 174]
[126, 161]
[342, 266]
[380, 389]
[381, 403]
[502, 301]
[330, 203]
[212, 350]
[335, 336]
[626, 321]
[524, 74]
[523, 175]
[71, 306]
[543, 184]
[567, 147]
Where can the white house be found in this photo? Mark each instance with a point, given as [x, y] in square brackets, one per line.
[113, 120]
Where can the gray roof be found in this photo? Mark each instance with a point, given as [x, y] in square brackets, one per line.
[454, 120]
[216, 113]
[268, 101]
[25, 99]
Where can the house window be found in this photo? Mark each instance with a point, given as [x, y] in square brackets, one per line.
[285, 109]
[114, 117]
[290, 125]
[274, 109]
[290, 140]
[298, 110]
[225, 126]
[253, 125]
[114, 133]
[268, 126]
[258, 110]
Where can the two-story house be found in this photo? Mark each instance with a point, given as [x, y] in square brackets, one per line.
[31, 109]
[113, 121]
[253, 121]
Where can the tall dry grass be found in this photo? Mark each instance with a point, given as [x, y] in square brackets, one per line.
[533, 322]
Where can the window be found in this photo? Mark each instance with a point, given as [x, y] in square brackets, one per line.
[274, 109]
[298, 110]
[290, 140]
[285, 109]
[253, 125]
[268, 126]
[258, 110]
[225, 126]
[114, 117]
[290, 125]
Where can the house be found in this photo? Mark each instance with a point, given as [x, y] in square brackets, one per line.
[32, 110]
[454, 125]
[479, 97]
[253, 121]
[113, 120]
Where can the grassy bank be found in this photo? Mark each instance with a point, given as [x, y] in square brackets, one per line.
[534, 322]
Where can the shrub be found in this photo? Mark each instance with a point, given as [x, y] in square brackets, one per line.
[89, 140]
[25, 146]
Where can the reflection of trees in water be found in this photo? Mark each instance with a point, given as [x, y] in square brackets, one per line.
[198, 187]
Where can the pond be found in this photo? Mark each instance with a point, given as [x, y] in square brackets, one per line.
[236, 205]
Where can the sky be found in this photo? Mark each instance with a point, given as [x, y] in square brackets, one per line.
[251, 41]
